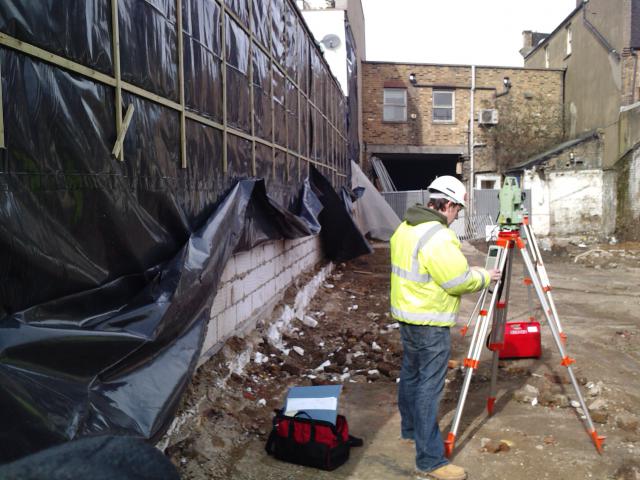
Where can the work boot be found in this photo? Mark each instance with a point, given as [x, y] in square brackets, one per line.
[446, 472]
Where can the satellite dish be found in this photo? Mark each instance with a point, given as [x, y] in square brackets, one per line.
[330, 41]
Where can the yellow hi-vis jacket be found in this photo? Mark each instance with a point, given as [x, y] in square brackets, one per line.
[429, 273]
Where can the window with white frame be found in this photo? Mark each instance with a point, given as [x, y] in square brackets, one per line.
[443, 106]
[487, 181]
[569, 39]
[395, 105]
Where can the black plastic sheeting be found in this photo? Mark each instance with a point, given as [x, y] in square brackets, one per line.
[80, 31]
[107, 268]
[353, 117]
[115, 359]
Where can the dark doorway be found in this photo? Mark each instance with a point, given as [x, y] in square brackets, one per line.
[416, 171]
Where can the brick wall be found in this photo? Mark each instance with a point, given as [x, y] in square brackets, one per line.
[630, 78]
[252, 282]
[628, 196]
[530, 115]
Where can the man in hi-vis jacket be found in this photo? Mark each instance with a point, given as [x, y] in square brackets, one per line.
[429, 273]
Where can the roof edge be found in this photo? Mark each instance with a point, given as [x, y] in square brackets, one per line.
[546, 40]
[418, 64]
[542, 157]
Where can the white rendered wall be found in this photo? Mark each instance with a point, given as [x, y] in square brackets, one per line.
[540, 220]
[572, 202]
[576, 202]
[253, 282]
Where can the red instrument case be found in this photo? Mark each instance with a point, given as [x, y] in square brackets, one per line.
[521, 340]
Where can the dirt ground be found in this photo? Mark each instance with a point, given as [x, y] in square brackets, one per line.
[536, 430]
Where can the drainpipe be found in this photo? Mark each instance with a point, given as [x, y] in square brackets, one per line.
[635, 71]
[471, 141]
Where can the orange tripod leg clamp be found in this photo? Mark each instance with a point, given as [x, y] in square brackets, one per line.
[566, 361]
[463, 331]
[563, 337]
[491, 401]
[449, 443]
[471, 363]
[598, 441]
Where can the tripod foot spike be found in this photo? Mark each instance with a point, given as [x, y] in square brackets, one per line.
[491, 401]
[598, 441]
[449, 443]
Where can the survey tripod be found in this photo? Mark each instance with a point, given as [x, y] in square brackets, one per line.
[501, 256]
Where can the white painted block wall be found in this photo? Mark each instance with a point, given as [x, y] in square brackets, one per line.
[253, 282]
[539, 191]
[572, 202]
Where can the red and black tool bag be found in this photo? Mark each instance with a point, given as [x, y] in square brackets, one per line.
[314, 443]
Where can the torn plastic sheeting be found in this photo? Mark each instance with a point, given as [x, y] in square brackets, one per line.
[116, 359]
[373, 214]
[341, 238]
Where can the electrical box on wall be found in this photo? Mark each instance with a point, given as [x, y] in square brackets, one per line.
[488, 116]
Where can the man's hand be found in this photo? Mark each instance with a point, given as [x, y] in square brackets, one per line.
[495, 274]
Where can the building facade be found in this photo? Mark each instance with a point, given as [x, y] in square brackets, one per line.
[425, 120]
[596, 46]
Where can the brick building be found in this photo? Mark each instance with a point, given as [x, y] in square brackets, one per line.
[416, 119]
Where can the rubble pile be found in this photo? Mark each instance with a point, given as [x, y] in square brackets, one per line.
[345, 336]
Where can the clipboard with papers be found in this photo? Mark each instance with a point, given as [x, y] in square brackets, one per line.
[319, 402]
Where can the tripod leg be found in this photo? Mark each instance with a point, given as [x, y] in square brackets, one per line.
[496, 340]
[542, 275]
[473, 359]
[474, 314]
[528, 282]
[566, 360]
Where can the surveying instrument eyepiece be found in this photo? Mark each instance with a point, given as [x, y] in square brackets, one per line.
[514, 225]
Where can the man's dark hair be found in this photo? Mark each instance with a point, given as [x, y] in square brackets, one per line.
[438, 204]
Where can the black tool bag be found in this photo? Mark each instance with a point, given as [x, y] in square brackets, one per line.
[313, 443]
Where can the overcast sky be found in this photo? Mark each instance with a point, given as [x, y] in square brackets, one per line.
[480, 32]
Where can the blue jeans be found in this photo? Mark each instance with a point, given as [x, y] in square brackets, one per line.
[424, 367]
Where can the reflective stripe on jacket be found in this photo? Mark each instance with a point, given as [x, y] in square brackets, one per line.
[429, 273]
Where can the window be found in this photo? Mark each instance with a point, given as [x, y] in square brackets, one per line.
[487, 181]
[569, 35]
[546, 56]
[443, 101]
[395, 105]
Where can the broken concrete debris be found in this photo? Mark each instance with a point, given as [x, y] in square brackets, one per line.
[495, 446]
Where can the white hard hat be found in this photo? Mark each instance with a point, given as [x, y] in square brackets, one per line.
[452, 189]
